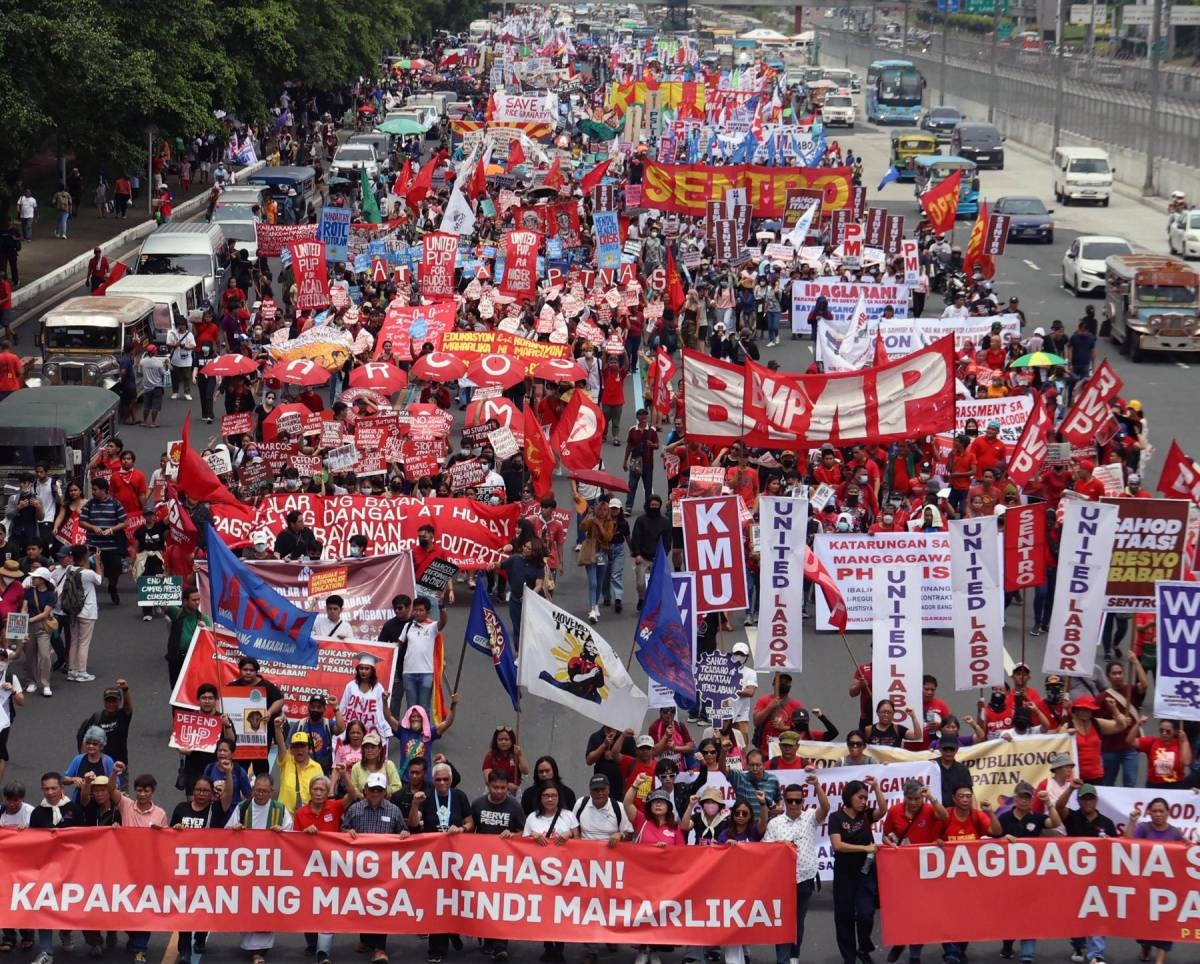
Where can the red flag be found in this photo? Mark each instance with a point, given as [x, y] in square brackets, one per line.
[478, 186]
[975, 257]
[554, 176]
[1179, 479]
[115, 274]
[675, 293]
[516, 155]
[196, 477]
[664, 370]
[881, 355]
[578, 435]
[1031, 450]
[422, 184]
[400, 187]
[539, 457]
[940, 203]
[183, 539]
[815, 571]
[594, 177]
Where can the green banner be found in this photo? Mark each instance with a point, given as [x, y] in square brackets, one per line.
[985, 6]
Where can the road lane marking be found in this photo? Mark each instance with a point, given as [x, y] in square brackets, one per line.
[1182, 364]
[1032, 265]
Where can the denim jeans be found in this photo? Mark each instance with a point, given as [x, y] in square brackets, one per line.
[418, 690]
[772, 325]
[646, 477]
[1123, 763]
[783, 952]
[613, 584]
[595, 578]
[1027, 949]
[63, 218]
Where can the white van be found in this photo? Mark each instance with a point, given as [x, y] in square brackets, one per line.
[240, 226]
[1082, 174]
[176, 297]
[192, 248]
[480, 29]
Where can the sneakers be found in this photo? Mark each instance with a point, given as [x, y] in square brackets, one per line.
[175, 396]
[96, 950]
[32, 687]
[1076, 957]
[594, 615]
[1036, 631]
[47, 692]
[322, 957]
[147, 618]
[44, 958]
[894, 954]
[642, 958]
[84, 677]
[187, 396]
[139, 957]
[655, 959]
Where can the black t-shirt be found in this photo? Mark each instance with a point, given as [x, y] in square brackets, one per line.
[460, 809]
[894, 735]
[1030, 825]
[1077, 825]
[213, 816]
[71, 815]
[495, 818]
[393, 629]
[116, 730]
[853, 830]
[93, 816]
[611, 768]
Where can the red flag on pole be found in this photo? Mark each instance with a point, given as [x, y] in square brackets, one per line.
[594, 177]
[539, 457]
[940, 203]
[578, 435]
[196, 477]
[516, 155]
[400, 187]
[478, 186]
[675, 292]
[976, 244]
[815, 571]
[554, 176]
[422, 184]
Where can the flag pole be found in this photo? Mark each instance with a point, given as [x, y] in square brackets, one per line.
[462, 658]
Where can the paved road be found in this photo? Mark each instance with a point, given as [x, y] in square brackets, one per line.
[44, 731]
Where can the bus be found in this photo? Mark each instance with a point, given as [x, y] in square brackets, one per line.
[894, 92]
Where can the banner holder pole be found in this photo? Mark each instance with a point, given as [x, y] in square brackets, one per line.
[462, 658]
[1024, 600]
[850, 653]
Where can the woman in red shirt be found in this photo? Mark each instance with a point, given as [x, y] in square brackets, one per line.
[323, 814]
[1169, 755]
[1088, 728]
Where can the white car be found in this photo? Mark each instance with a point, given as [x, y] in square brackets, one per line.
[1183, 235]
[350, 158]
[838, 109]
[1083, 263]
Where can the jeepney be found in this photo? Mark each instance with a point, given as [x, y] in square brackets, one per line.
[60, 426]
[931, 171]
[907, 146]
[1150, 304]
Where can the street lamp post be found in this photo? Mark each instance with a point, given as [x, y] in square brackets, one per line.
[1148, 188]
[1059, 68]
[942, 66]
[992, 78]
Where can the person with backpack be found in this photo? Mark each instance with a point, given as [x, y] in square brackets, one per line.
[77, 599]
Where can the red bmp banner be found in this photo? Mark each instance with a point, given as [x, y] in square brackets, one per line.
[905, 398]
[1064, 886]
[687, 188]
[141, 879]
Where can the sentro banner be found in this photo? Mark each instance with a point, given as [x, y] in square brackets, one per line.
[780, 410]
[896, 653]
[856, 561]
[214, 654]
[1088, 529]
[367, 586]
[1138, 889]
[978, 603]
[715, 550]
[1177, 688]
[140, 880]
[783, 525]
[687, 188]
[1149, 546]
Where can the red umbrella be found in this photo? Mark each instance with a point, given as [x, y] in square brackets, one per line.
[560, 370]
[288, 413]
[605, 480]
[298, 371]
[439, 366]
[498, 370]
[381, 376]
[231, 365]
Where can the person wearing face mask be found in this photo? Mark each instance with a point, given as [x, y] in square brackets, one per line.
[859, 501]
[886, 522]
[591, 365]
[648, 530]
[261, 411]
[206, 384]
[320, 729]
[424, 553]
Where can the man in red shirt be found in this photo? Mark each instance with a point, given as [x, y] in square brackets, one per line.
[97, 269]
[987, 449]
[935, 711]
[12, 372]
[6, 308]
[640, 446]
[129, 485]
[1086, 484]
[773, 712]
[612, 393]
[829, 472]
[983, 498]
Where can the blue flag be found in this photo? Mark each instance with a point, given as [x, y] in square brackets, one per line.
[487, 634]
[664, 649]
[771, 150]
[267, 626]
[745, 150]
[891, 175]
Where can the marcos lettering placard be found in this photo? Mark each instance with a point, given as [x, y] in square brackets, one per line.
[436, 273]
[1138, 889]
[715, 550]
[140, 879]
[686, 188]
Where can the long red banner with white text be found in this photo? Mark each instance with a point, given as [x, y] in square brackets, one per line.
[906, 398]
[219, 880]
[1063, 887]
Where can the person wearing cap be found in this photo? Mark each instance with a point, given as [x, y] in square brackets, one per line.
[374, 760]
[296, 766]
[600, 816]
[988, 449]
[156, 376]
[612, 583]
[321, 730]
[374, 814]
[1089, 727]
[799, 826]
[1058, 783]
[743, 705]
[789, 756]
[364, 698]
[954, 773]
[185, 619]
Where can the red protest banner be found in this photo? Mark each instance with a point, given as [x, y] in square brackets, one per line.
[715, 550]
[312, 274]
[1090, 410]
[520, 264]
[273, 238]
[1179, 478]
[1033, 445]
[436, 273]
[213, 658]
[876, 223]
[1098, 885]
[240, 423]
[367, 588]
[1024, 547]
[195, 731]
[140, 879]
[406, 328]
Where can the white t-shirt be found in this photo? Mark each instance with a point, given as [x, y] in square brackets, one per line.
[743, 705]
[536, 823]
[326, 628]
[26, 207]
[182, 345]
[418, 657]
[600, 823]
[18, 819]
[6, 699]
[260, 817]
[91, 582]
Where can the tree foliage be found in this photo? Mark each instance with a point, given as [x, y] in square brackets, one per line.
[90, 76]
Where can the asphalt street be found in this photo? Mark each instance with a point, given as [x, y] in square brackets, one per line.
[44, 731]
